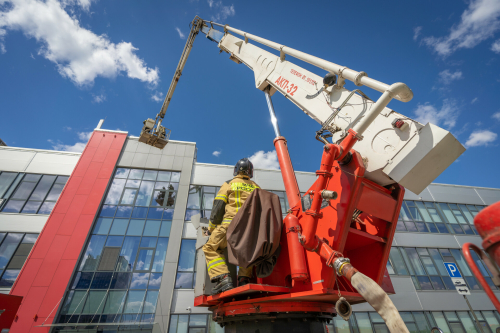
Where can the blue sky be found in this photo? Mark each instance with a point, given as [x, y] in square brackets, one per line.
[66, 64]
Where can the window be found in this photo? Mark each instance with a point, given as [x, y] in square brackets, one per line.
[200, 200]
[186, 268]
[416, 322]
[426, 267]
[420, 216]
[119, 276]
[14, 250]
[30, 193]
[194, 323]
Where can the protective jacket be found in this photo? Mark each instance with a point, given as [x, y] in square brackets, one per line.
[230, 199]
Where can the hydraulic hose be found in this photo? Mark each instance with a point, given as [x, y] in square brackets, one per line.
[373, 294]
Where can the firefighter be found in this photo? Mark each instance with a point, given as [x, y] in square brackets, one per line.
[229, 200]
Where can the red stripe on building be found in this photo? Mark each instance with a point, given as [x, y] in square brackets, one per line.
[47, 271]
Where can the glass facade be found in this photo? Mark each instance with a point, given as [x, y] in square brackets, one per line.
[426, 267]
[14, 250]
[119, 276]
[195, 323]
[29, 193]
[368, 322]
[438, 217]
[419, 322]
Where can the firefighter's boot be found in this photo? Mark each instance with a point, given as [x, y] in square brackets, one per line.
[243, 280]
[224, 283]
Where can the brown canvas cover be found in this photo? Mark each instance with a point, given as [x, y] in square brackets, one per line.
[253, 237]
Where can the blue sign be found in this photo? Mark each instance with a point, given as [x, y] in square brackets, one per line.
[452, 269]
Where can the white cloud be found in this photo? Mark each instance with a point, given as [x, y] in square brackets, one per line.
[496, 116]
[3, 32]
[473, 101]
[447, 115]
[181, 35]
[78, 53]
[446, 77]
[157, 96]
[223, 12]
[416, 32]
[85, 136]
[217, 153]
[480, 138]
[478, 23]
[78, 147]
[98, 98]
[262, 160]
[67, 128]
[495, 47]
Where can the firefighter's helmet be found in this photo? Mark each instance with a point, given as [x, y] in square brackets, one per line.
[244, 166]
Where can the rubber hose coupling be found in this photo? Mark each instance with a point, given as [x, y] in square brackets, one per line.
[339, 263]
[343, 308]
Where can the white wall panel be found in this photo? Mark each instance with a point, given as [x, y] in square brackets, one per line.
[22, 222]
[15, 160]
[410, 239]
[51, 163]
[489, 196]
[454, 194]
[462, 239]
[184, 299]
[211, 174]
[37, 161]
[305, 180]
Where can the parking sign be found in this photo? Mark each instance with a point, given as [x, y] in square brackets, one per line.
[452, 269]
[457, 279]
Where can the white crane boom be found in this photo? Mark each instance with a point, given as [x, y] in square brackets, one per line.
[395, 148]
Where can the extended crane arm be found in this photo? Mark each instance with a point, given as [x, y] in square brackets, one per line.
[394, 147]
[158, 137]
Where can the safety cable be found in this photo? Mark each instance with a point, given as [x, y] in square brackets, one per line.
[52, 311]
[99, 305]
[77, 305]
[123, 302]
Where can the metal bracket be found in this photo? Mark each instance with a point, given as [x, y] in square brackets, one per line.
[282, 54]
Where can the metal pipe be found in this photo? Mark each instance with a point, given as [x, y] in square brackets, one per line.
[274, 120]
[309, 239]
[381, 103]
[359, 78]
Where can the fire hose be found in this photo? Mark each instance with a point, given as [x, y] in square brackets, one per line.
[373, 294]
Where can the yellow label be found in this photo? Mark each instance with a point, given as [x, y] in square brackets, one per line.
[243, 187]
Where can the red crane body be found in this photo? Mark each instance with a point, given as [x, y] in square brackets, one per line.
[359, 224]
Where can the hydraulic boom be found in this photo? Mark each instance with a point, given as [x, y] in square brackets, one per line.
[395, 148]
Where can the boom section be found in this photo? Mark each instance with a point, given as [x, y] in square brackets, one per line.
[395, 148]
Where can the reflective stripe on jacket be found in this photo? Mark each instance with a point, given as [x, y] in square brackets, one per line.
[230, 199]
